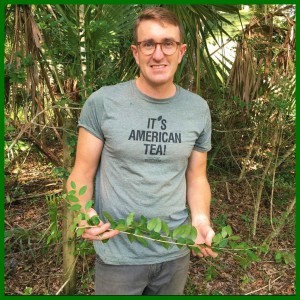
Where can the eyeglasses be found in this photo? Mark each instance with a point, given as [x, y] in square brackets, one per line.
[167, 47]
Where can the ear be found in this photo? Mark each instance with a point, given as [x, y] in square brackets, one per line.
[182, 50]
[135, 53]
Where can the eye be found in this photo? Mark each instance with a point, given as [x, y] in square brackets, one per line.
[168, 44]
[148, 44]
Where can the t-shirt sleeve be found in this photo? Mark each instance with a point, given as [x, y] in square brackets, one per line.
[203, 143]
[91, 115]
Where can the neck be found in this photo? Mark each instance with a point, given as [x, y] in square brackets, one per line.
[159, 91]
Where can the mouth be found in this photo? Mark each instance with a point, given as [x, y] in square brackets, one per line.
[158, 66]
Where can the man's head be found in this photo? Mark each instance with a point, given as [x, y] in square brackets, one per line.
[158, 47]
[161, 15]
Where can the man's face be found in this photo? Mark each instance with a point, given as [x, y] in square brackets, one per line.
[157, 69]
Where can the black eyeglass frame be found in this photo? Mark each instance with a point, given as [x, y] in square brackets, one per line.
[155, 44]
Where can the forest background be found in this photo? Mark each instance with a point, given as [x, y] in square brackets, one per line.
[240, 58]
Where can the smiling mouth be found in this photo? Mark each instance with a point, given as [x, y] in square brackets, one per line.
[158, 66]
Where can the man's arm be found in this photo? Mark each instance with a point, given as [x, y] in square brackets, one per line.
[198, 198]
[88, 153]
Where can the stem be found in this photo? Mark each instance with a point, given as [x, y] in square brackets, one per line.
[137, 235]
[169, 242]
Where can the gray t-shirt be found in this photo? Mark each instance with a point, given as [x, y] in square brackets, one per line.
[147, 143]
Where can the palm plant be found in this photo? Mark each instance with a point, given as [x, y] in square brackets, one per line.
[202, 22]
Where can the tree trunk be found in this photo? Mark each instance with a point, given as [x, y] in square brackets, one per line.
[69, 261]
[82, 47]
[281, 223]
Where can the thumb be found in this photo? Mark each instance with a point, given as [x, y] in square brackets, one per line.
[209, 237]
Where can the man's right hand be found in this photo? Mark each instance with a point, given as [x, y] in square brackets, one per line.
[100, 232]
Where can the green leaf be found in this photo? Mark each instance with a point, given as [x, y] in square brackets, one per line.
[178, 231]
[264, 248]
[278, 256]
[158, 226]
[142, 241]
[131, 238]
[89, 204]
[165, 228]
[79, 232]
[72, 198]
[143, 221]
[223, 243]
[244, 263]
[75, 207]
[288, 258]
[187, 230]
[224, 232]
[242, 245]
[194, 233]
[129, 219]
[82, 190]
[108, 217]
[71, 193]
[252, 256]
[181, 240]
[155, 235]
[190, 242]
[105, 241]
[234, 237]
[229, 230]
[137, 231]
[165, 245]
[121, 227]
[196, 249]
[77, 219]
[73, 185]
[73, 227]
[217, 239]
[94, 220]
[154, 224]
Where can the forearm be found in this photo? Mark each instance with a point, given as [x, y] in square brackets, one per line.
[198, 199]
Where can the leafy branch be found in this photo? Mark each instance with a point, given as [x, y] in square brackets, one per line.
[141, 230]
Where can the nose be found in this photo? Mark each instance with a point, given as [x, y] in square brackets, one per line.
[158, 53]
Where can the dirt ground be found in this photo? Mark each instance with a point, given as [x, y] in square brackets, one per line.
[33, 267]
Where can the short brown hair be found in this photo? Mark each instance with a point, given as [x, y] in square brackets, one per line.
[160, 14]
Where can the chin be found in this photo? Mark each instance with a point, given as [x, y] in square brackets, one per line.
[160, 80]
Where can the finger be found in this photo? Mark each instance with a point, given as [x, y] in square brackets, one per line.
[207, 251]
[109, 234]
[211, 253]
[101, 236]
[209, 237]
[98, 230]
[84, 223]
[197, 254]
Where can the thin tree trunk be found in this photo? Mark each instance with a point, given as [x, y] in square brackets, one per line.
[264, 176]
[82, 47]
[69, 261]
[282, 222]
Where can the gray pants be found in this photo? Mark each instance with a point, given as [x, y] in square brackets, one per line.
[167, 278]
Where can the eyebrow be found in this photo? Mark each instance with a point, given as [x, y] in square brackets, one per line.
[164, 40]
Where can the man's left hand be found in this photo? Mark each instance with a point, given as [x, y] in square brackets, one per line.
[205, 236]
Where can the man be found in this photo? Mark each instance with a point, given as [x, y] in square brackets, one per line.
[146, 141]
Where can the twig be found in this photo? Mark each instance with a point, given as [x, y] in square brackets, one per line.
[61, 288]
[65, 283]
[141, 236]
[268, 285]
[35, 195]
[228, 193]
[7, 224]
[170, 242]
